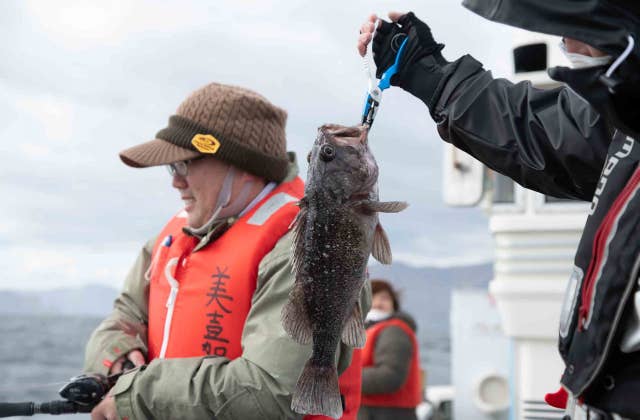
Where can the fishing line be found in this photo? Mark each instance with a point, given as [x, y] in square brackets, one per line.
[365, 58]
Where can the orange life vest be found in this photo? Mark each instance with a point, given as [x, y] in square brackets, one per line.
[199, 301]
[409, 395]
[206, 295]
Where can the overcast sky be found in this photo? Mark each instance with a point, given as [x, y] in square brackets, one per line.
[81, 80]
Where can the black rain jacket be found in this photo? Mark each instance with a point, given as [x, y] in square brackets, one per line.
[574, 143]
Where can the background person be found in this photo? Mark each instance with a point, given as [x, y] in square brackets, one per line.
[391, 376]
[202, 303]
[576, 142]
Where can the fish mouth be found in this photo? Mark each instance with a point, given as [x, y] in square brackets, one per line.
[352, 136]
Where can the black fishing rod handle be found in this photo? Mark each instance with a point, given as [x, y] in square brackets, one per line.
[17, 409]
[51, 407]
[60, 407]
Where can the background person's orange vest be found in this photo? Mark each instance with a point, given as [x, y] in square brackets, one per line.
[410, 393]
[213, 287]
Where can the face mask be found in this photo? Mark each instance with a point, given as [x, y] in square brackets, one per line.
[376, 315]
[580, 61]
[224, 208]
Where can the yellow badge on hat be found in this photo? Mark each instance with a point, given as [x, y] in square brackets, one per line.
[205, 143]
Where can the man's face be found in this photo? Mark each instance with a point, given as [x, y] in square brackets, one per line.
[579, 47]
[200, 188]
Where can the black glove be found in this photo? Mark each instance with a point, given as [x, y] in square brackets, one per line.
[389, 37]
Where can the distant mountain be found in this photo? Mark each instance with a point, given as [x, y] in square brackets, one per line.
[88, 300]
[425, 292]
[465, 276]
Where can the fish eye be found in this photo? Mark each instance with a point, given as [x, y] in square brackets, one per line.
[327, 152]
[309, 157]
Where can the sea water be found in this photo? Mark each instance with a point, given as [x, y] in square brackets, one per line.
[38, 354]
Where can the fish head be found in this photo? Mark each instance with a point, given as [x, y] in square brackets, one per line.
[342, 164]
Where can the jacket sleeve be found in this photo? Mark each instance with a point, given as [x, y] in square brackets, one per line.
[125, 329]
[257, 385]
[551, 141]
[392, 355]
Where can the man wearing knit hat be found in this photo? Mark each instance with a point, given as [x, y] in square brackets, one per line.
[202, 303]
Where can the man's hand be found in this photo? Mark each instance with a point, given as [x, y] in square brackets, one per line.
[366, 30]
[421, 67]
[134, 356]
[388, 38]
[106, 410]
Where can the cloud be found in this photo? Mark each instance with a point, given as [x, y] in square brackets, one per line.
[55, 115]
[81, 81]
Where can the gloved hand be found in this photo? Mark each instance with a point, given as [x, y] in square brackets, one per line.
[421, 64]
[389, 37]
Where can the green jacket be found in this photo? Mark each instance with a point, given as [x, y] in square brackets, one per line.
[257, 385]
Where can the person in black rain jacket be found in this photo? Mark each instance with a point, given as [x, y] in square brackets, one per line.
[579, 141]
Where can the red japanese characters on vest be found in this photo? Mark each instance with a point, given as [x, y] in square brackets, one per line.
[410, 393]
[199, 301]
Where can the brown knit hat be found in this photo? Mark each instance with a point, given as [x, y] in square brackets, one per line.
[236, 125]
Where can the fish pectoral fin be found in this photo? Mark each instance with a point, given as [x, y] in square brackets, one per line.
[382, 206]
[381, 250]
[353, 333]
[391, 206]
[294, 316]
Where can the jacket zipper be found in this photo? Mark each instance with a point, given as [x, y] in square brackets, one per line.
[631, 283]
[600, 246]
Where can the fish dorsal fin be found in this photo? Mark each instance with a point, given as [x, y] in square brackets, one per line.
[381, 250]
[354, 334]
[382, 206]
[298, 227]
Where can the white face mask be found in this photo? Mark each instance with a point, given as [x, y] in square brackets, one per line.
[376, 315]
[224, 207]
[580, 61]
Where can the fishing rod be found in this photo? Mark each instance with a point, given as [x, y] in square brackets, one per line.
[81, 394]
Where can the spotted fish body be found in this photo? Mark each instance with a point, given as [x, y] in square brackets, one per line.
[336, 230]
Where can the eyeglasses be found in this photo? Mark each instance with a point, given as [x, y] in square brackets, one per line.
[181, 168]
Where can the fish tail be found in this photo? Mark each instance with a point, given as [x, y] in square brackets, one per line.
[318, 392]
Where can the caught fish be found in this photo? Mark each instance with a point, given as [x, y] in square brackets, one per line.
[335, 231]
